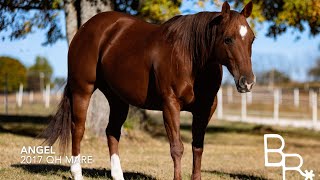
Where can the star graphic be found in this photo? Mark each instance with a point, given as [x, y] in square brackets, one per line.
[309, 175]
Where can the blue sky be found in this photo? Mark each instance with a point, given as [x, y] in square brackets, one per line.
[286, 54]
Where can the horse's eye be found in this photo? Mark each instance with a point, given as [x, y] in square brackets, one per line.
[228, 40]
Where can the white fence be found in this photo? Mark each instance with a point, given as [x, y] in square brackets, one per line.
[24, 100]
[285, 107]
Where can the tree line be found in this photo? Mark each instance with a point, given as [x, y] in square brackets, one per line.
[34, 78]
[275, 76]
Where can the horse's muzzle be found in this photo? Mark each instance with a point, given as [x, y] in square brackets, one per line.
[243, 85]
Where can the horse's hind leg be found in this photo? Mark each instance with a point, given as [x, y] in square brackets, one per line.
[80, 102]
[118, 114]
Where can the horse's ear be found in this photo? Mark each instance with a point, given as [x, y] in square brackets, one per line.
[247, 10]
[225, 8]
[216, 20]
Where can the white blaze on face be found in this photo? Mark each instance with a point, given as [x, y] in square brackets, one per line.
[116, 171]
[243, 31]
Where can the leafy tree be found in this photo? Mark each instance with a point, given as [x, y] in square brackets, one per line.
[158, 11]
[314, 72]
[280, 15]
[23, 17]
[12, 73]
[39, 74]
[273, 77]
[284, 14]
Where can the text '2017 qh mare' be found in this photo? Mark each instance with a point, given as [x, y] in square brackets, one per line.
[173, 67]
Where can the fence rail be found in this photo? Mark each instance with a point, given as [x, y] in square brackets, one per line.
[285, 107]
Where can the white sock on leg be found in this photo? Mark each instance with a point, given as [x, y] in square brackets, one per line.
[76, 168]
[116, 171]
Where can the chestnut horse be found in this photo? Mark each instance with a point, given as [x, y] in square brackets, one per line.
[173, 67]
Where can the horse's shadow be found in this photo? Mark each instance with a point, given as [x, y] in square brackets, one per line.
[87, 172]
[28, 126]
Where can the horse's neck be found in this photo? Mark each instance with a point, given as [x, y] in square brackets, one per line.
[209, 75]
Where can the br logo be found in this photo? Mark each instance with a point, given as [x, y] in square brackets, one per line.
[284, 156]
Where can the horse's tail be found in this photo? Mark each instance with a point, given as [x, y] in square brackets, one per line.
[60, 124]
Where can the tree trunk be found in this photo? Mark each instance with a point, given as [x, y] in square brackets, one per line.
[89, 8]
[71, 19]
[77, 12]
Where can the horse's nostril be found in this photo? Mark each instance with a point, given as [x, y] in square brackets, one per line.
[242, 82]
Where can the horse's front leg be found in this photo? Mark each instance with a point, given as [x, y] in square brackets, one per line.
[171, 117]
[201, 118]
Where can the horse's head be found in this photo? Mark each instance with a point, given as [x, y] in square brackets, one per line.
[233, 43]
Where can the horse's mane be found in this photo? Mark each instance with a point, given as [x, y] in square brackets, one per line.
[191, 35]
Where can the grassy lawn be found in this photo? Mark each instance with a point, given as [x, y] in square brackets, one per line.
[37, 109]
[232, 151]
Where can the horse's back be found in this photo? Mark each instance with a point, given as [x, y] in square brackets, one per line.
[106, 25]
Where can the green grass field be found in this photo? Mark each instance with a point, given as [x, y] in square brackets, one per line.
[232, 151]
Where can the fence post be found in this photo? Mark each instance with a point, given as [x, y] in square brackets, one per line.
[314, 109]
[276, 105]
[220, 104]
[47, 96]
[249, 97]
[296, 97]
[243, 106]
[310, 97]
[19, 95]
[230, 94]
